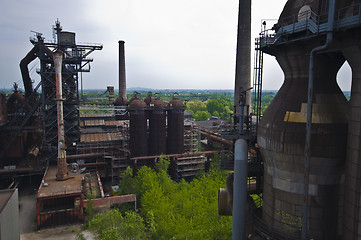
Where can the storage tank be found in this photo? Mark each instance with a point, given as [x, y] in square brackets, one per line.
[282, 136]
[120, 101]
[149, 98]
[136, 96]
[175, 141]
[16, 102]
[157, 127]
[138, 128]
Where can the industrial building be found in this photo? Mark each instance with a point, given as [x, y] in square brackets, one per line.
[303, 153]
[75, 144]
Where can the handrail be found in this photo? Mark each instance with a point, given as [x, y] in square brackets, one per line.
[344, 18]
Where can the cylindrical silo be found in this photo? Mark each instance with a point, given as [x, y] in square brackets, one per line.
[352, 206]
[281, 138]
[157, 127]
[147, 101]
[149, 98]
[138, 128]
[175, 141]
[16, 102]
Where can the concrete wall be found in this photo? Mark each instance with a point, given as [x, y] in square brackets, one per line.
[9, 216]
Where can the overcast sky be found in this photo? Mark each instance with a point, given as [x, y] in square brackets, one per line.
[169, 44]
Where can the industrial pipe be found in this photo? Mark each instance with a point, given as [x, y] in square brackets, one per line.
[25, 72]
[240, 190]
[216, 138]
[329, 38]
[62, 170]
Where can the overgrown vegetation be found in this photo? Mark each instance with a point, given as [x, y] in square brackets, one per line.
[168, 210]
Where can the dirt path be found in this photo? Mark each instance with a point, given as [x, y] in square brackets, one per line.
[59, 233]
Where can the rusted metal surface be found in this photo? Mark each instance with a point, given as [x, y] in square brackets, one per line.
[62, 172]
[138, 142]
[149, 99]
[91, 123]
[15, 102]
[72, 186]
[92, 185]
[59, 217]
[85, 155]
[282, 145]
[108, 201]
[157, 127]
[175, 141]
[175, 155]
[59, 202]
[114, 123]
[99, 137]
[216, 138]
[95, 115]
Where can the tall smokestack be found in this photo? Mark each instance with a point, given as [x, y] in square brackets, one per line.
[122, 78]
[243, 59]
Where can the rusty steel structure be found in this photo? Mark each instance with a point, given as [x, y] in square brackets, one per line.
[62, 172]
[38, 111]
[138, 143]
[175, 142]
[313, 184]
[157, 127]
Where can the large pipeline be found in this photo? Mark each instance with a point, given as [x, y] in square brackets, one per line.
[25, 71]
[62, 170]
[240, 190]
[216, 138]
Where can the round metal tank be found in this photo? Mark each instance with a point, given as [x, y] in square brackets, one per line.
[148, 99]
[157, 127]
[136, 96]
[296, 10]
[3, 111]
[120, 101]
[138, 128]
[281, 138]
[15, 102]
[175, 141]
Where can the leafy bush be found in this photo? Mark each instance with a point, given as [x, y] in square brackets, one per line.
[112, 225]
[184, 210]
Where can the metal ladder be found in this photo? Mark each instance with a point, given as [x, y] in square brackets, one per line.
[257, 81]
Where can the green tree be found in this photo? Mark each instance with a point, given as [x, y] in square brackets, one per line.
[127, 185]
[111, 225]
[201, 115]
[195, 106]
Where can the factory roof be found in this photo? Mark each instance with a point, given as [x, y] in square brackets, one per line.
[50, 187]
[100, 137]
